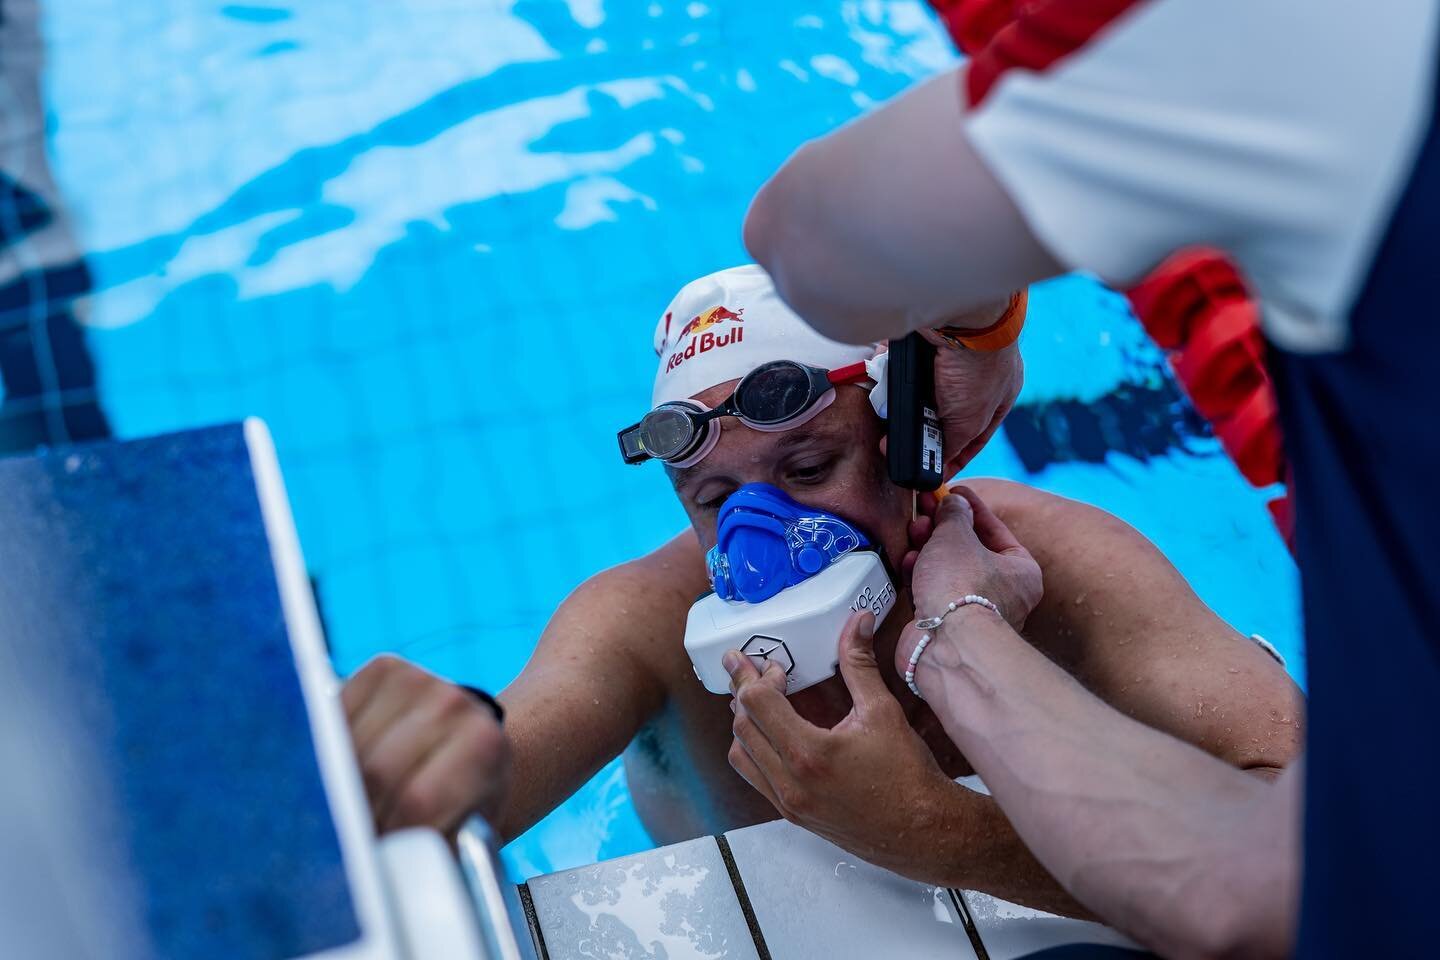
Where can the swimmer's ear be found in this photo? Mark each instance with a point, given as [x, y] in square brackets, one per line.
[907, 567]
[918, 533]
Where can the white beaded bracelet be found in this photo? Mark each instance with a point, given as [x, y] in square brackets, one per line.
[933, 623]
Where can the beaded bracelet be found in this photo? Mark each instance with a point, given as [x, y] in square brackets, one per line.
[933, 623]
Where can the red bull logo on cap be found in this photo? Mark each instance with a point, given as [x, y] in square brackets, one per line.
[710, 318]
[702, 338]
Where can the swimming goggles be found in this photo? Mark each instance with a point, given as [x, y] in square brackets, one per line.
[778, 395]
[765, 541]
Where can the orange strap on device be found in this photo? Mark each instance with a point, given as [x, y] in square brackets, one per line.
[998, 335]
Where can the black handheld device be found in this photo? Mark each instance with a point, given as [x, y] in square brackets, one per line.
[914, 455]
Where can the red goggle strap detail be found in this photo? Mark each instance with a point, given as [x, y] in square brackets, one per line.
[850, 373]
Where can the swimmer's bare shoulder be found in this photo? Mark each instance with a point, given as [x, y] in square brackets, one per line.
[606, 663]
[1119, 617]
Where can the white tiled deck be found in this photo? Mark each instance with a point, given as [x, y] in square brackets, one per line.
[777, 892]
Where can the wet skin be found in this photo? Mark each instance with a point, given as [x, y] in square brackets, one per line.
[610, 672]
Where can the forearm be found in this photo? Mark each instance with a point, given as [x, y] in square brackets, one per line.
[892, 223]
[1185, 853]
[593, 679]
[557, 746]
[974, 847]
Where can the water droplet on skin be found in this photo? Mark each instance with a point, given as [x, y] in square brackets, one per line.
[1233, 670]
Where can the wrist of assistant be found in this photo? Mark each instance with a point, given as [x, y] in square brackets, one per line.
[999, 335]
[931, 626]
[949, 658]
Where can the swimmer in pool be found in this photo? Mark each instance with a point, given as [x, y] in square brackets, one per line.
[610, 674]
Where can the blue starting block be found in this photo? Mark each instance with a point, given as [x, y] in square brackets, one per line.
[184, 781]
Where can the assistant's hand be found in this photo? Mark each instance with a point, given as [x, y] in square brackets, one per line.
[869, 785]
[975, 391]
[429, 752]
[970, 550]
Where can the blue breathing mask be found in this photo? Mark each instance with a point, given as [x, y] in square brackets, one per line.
[786, 579]
[765, 542]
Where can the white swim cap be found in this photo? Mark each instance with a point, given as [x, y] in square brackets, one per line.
[724, 325]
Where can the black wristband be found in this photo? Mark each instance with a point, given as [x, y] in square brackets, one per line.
[485, 698]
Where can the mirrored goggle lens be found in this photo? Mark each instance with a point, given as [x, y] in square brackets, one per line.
[666, 433]
[774, 394]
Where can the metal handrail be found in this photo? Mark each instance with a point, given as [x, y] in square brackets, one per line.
[497, 902]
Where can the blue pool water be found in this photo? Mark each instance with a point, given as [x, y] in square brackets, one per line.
[427, 241]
